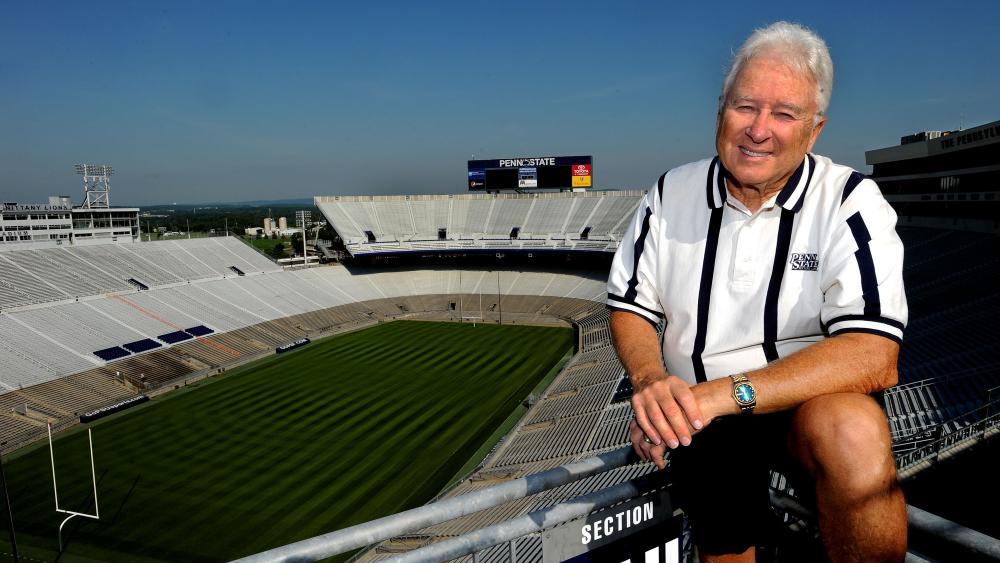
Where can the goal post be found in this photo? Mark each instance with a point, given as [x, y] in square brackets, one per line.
[55, 486]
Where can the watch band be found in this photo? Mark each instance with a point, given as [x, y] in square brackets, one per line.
[744, 393]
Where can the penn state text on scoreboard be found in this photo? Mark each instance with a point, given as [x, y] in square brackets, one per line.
[537, 172]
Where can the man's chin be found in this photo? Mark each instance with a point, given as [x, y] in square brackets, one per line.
[748, 175]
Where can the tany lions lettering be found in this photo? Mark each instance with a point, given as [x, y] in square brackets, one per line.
[808, 262]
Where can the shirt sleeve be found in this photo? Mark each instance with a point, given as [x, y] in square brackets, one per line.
[632, 281]
[863, 282]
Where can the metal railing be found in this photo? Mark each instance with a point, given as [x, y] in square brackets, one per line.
[934, 532]
[944, 440]
[363, 535]
[509, 530]
[367, 534]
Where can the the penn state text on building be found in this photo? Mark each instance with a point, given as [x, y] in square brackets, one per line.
[943, 178]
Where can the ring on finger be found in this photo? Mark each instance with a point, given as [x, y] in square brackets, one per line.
[646, 439]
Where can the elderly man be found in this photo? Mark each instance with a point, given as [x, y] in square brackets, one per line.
[778, 275]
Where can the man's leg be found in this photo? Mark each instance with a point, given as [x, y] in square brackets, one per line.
[748, 556]
[721, 484]
[843, 441]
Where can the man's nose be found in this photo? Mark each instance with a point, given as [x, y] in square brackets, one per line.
[759, 130]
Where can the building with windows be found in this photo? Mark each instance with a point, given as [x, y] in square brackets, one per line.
[943, 178]
[59, 222]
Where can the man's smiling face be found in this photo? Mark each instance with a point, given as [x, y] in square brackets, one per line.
[766, 125]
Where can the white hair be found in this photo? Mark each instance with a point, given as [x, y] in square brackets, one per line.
[798, 47]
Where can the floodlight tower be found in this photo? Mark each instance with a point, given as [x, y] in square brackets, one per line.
[301, 219]
[96, 184]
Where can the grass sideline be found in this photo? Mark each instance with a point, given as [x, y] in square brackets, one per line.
[511, 421]
[345, 430]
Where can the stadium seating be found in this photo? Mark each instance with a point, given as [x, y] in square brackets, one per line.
[948, 362]
[69, 336]
[30, 277]
[378, 224]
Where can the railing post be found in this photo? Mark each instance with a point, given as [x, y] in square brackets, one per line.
[989, 409]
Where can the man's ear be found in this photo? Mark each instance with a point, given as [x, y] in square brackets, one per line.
[815, 133]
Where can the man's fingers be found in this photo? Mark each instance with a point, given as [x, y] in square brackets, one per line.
[692, 412]
[668, 412]
[636, 435]
[646, 450]
[657, 453]
[644, 422]
[660, 423]
[675, 417]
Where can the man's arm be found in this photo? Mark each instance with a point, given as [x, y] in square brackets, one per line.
[850, 362]
[665, 406]
[669, 410]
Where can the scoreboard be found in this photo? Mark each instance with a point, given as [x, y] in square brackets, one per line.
[539, 172]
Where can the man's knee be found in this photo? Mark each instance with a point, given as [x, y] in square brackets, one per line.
[844, 437]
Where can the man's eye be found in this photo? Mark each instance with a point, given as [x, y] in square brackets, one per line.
[785, 116]
[744, 108]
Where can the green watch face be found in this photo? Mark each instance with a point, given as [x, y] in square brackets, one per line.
[744, 393]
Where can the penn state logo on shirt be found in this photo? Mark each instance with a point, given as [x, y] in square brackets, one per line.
[805, 261]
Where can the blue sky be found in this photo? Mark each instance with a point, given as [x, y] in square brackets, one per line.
[232, 101]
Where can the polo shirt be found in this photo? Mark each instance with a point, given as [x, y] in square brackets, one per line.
[737, 290]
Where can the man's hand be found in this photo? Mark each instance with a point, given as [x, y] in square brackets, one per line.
[647, 450]
[666, 409]
[666, 412]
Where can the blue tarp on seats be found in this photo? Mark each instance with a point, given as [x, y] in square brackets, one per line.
[142, 345]
[112, 353]
[200, 330]
[175, 337]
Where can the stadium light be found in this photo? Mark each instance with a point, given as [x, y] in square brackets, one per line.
[96, 184]
[94, 169]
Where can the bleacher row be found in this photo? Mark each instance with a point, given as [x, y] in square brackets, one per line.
[29, 277]
[592, 221]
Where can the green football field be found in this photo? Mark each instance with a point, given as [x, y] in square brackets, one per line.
[342, 431]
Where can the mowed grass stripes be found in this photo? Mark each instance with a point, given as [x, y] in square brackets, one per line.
[343, 431]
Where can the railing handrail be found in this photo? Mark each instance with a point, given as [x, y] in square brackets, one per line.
[947, 441]
[929, 430]
[536, 521]
[933, 380]
[368, 533]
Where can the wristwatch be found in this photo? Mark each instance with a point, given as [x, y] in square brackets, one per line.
[744, 393]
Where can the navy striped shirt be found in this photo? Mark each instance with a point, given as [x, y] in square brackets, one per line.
[738, 289]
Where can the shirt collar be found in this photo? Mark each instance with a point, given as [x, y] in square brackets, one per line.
[790, 197]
